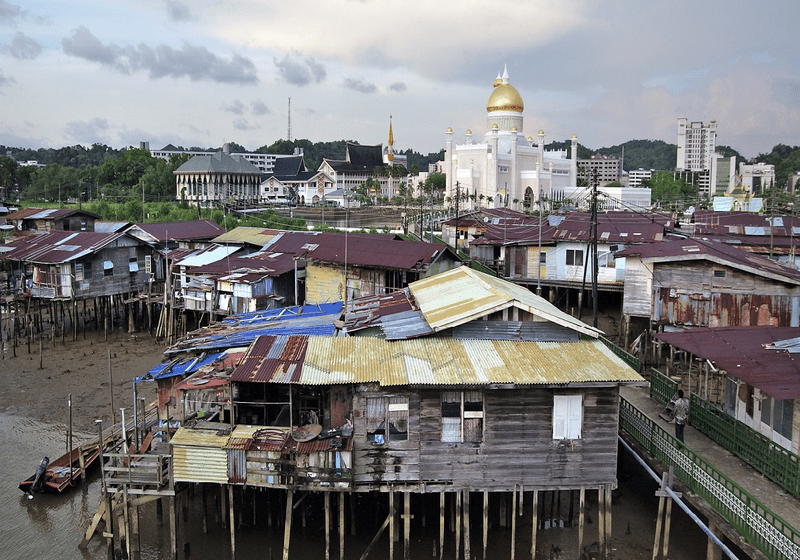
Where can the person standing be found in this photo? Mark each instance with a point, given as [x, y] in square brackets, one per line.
[681, 414]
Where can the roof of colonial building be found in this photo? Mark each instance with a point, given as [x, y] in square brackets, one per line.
[359, 158]
[219, 162]
[288, 166]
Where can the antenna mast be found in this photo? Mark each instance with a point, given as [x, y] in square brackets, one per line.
[289, 132]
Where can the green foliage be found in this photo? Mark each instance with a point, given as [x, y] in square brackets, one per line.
[786, 160]
[669, 191]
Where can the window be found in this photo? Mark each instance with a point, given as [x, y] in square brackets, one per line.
[542, 257]
[782, 416]
[87, 271]
[719, 274]
[78, 272]
[133, 265]
[387, 419]
[462, 416]
[567, 416]
[574, 257]
[108, 268]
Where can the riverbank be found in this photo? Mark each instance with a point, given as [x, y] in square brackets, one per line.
[80, 368]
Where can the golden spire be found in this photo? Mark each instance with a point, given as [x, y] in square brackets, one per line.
[390, 150]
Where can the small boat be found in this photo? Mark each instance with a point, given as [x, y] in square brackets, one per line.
[57, 475]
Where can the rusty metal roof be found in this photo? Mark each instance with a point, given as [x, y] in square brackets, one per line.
[58, 246]
[250, 235]
[31, 213]
[318, 360]
[741, 352]
[462, 294]
[709, 250]
[394, 314]
[613, 227]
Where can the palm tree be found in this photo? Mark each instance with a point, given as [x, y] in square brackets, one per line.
[516, 201]
[489, 199]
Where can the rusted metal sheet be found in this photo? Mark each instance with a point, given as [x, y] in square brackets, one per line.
[430, 361]
[722, 309]
[236, 448]
[199, 456]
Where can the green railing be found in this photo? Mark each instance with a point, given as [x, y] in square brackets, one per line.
[662, 388]
[629, 358]
[767, 457]
[766, 531]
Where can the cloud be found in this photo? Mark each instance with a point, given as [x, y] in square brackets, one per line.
[259, 108]
[86, 131]
[179, 11]
[9, 12]
[300, 73]
[195, 63]
[236, 107]
[360, 86]
[24, 48]
[399, 87]
[6, 80]
[242, 124]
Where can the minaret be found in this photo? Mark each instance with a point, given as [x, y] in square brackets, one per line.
[573, 167]
[390, 145]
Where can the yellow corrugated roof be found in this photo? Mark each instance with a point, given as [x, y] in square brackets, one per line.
[447, 361]
[201, 438]
[244, 234]
[462, 294]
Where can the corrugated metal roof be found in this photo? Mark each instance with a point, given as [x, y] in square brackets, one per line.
[32, 213]
[251, 235]
[714, 251]
[200, 438]
[429, 361]
[463, 294]
[189, 230]
[741, 352]
[206, 256]
[614, 227]
[59, 246]
[110, 227]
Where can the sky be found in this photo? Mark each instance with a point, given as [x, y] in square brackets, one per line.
[202, 73]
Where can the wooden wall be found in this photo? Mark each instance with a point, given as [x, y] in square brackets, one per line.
[517, 446]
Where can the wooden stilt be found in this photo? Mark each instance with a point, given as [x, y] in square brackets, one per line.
[327, 498]
[341, 525]
[391, 525]
[173, 529]
[457, 517]
[377, 536]
[287, 525]
[205, 509]
[406, 525]
[134, 521]
[486, 522]
[514, 524]
[581, 517]
[467, 548]
[126, 510]
[231, 522]
[222, 509]
[601, 522]
[607, 514]
[441, 524]
[535, 522]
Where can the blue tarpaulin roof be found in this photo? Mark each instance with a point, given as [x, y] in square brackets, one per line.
[285, 314]
[183, 367]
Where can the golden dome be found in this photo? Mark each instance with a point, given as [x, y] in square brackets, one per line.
[505, 97]
[541, 132]
[449, 130]
[469, 131]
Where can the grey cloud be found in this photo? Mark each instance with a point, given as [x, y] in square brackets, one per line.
[236, 107]
[300, 73]
[83, 130]
[179, 11]
[24, 48]
[259, 108]
[399, 87]
[9, 12]
[6, 80]
[195, 63]
[360, 86]
[242, 124]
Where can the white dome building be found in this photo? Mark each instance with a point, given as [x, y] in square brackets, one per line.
[506, 165]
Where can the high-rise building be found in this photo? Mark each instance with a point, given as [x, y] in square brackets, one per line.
[605, 169]
[697, 143]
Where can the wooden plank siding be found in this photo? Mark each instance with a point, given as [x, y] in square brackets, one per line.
[517, 447]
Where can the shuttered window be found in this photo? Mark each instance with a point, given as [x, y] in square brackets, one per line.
[462, 416]
[567, 416]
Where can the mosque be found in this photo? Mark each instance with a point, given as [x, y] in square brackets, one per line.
[507, 166]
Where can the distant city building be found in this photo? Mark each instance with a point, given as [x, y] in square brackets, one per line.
[757, 177]
[506, 165]
[264, 162]
[726, 175]
[208, 179]
[697, 143]
[793, 182]
[636, 176]
[606, 169]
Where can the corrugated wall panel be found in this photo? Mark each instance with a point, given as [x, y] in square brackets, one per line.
[200, 464]
[323, 284]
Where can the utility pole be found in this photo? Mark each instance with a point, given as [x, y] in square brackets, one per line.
[594, 247]
[458, 195]
[142, 183]
[539, 257]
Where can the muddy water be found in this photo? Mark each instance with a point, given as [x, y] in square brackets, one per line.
[51, 526]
